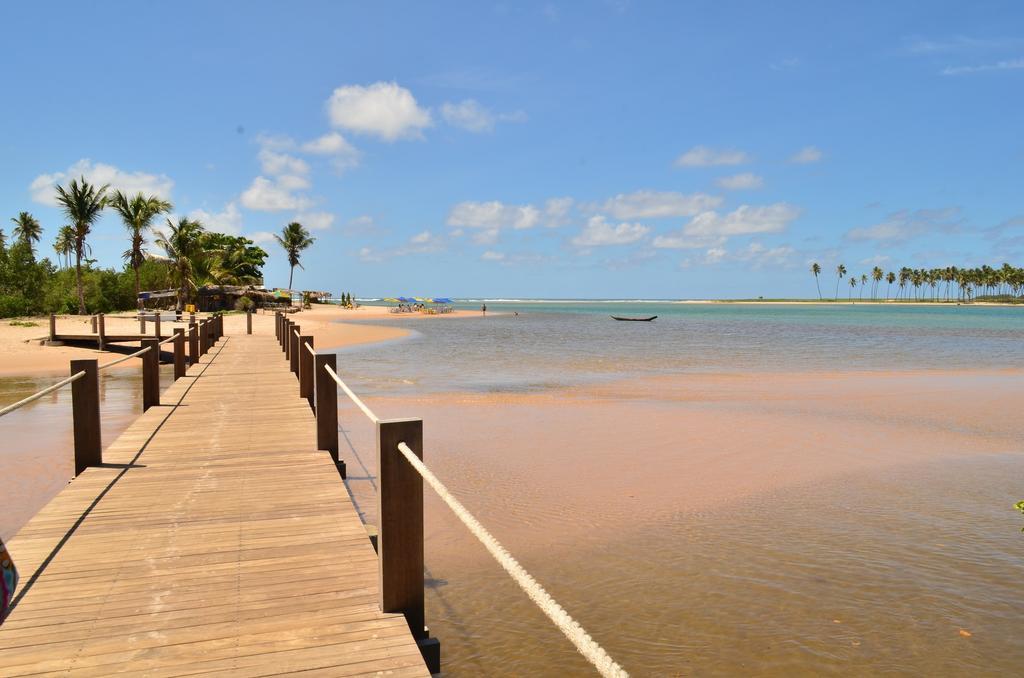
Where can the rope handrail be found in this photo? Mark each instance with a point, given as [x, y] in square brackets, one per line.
[576, 634]
[36, 396]
[344, 387]
[310, 349]
[170, 338]
[296, 333]
[123, 358]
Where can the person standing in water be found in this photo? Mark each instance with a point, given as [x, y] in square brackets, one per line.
[483, 309]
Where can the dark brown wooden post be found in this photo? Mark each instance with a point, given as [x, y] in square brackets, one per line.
[327, 406]
[156, 323]
[53, 327]
[293, 349]
[150, 374]
[201, 330]
[286, 331]
[306, 369]
[277, 326]
[102, 332]
[85, 412]
[94, 330]
[142, 323]
[248, 321]
[400, 532]
[400, 522]
[191, 317]
[179, 353]
[193, 343]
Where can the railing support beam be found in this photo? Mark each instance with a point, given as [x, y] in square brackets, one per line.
[101, 341]
[193, 343]
[327, 407]
[293, 349]
[248, 321]
[306, 369]
[150, 374]
[179, 353]
[400, 523]
[85, 409]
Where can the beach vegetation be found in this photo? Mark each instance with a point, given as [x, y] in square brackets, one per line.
[816, 270]
[840, 272]
[27, 229]
[294, 239]
[137, 212]
[82, 204]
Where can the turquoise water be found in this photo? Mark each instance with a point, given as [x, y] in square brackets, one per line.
[552, 344]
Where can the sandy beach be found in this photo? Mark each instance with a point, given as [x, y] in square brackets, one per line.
[24, 352]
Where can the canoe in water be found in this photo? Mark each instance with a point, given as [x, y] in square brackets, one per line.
[635, 320]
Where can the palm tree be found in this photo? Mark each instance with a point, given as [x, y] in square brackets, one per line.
[840, 272]
[3, 240]
[63, 245]
[137, 212]
[876, 275]
[82, 203]
[890, 278]
[182, 243]
[853, 283]
[27, 229]
[816, 270]
[294, 238]
[863, 283]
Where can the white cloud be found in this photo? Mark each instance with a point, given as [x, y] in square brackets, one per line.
[228, 221]
[806, 156]
[682, 242]
[364, 224]
[741, 182]
[655, 205]
[1006, 65]
[277, 164]
[424, 242]
[270, 196]
[906, 224]
[491, 255]
[317, 221]
[714, 255]
[702, 156]
[742, 221]
[757, 255]
[489, 218]
[344, 155]
[43, 190]
[260, 237]
[469, 115]
[556, 211]
[383, 109]
[598, 232]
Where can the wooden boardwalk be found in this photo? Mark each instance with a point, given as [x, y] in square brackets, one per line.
[215, 539]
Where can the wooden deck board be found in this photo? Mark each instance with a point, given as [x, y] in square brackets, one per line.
[215, 540]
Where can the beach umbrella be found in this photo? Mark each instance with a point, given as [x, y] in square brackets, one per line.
[391, 300]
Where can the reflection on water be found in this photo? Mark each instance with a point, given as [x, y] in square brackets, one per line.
[549, 346]
[914, 572]
[38, 448]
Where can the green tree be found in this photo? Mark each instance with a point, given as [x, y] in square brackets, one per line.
[64, 244]
[27, 229]
[816, 270]
[863, 284]
[82, 204]
[137, 212]
[840, 272]
[853, 283]
[182, 243]
[294, 239]
[890, 278]
[876, 276]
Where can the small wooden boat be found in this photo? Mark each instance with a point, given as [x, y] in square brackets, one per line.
[635, 320]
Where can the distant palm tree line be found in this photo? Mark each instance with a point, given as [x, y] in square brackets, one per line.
[935, 284]
[196, 257]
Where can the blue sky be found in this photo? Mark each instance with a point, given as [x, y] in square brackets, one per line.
[585, 149]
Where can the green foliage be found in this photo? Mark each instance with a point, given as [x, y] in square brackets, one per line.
[23, 323]
[244, 304]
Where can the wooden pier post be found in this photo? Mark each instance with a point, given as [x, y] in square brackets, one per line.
[400, 531]
[327, 407]
[53, 327]
[193, 343]
[286, 331]
[156, 323]
[201, 330]
[93, 319]
[306, 369]
[191, 317]
[179, 353]
[102, 332]
[142, 324]
[150, 374]
[293, 349]
[85, 412]
[248, 321]
[277, 326]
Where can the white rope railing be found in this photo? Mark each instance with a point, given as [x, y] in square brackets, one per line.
[36, 396]
[309, 347]
[352, 396]
[579, 637]
[122, 359]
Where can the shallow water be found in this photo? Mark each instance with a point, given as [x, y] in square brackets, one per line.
[552, 345]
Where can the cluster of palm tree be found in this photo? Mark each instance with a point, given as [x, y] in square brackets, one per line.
[196, 257]
[935, 284]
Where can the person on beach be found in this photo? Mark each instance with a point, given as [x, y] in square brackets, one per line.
[483, 309]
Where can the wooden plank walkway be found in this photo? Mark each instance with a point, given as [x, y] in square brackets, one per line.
[215, 540]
